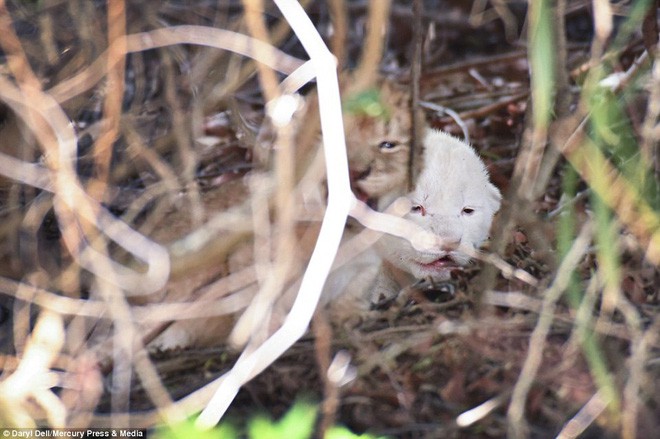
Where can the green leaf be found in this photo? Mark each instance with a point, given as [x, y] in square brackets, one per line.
[542, 56]
[368, 103]
[297, 423]
[187, 429]
[345, 433]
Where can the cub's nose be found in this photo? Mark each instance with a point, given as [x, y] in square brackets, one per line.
[449, 234]
[448, 244]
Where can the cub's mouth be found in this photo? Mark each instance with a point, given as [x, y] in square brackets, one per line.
[443, 263]
[356, 177]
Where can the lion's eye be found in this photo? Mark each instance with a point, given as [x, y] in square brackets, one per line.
[467, 211]
[387, 145]
[418, 208]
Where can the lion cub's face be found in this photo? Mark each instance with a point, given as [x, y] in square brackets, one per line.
[379, 142]
[454, 199]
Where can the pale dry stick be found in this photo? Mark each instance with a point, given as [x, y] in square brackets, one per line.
[51, 301]
[322, 333]
[235, 220]
[512, 299]
[32, 380]
[519, 300]
[181, 127]
[161, 169]
[634, 326]
[603, 24]
[475, 414]
[244, 72]
[261, 191]
[486, 110]
[634, 381]
[203, 303]
[73, 204]
[508, 18]
[517, 427]
[112, 104]
[415, 152]
[270, 286]
[480, 16]
[281, 111]
[121, 349]
[507, 270]
[34, 215]
[393, 224]
[637, 365]
[339, 18]
[356, 245]
[228, 295]
[479, 62]
[16, 59]
[582, 328]
[619, 80]
[584, 315]
[128, 349]
[585, 417]
[31, 174]
[47, 38]
[254, 20]
[224, 296]
[129, 352]
[367, 71]
[276, 109]
[185, 34]
[298, 78]
[454, 115]
[339, 200]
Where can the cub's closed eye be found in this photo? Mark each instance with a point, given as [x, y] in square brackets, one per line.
[418, 208]
[467, 211]
[387, 145]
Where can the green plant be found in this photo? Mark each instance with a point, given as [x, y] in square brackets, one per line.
[297, 423]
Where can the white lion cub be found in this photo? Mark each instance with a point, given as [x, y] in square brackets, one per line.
[454, 199]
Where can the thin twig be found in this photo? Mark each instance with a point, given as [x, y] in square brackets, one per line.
[367, 72]
[184, 34]
[417, 126]
[515, 415]
[112, 106]
[252, 363]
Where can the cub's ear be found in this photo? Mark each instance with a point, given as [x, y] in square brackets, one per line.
[494, 197]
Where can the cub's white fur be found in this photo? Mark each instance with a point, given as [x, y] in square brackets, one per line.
[454, 199]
